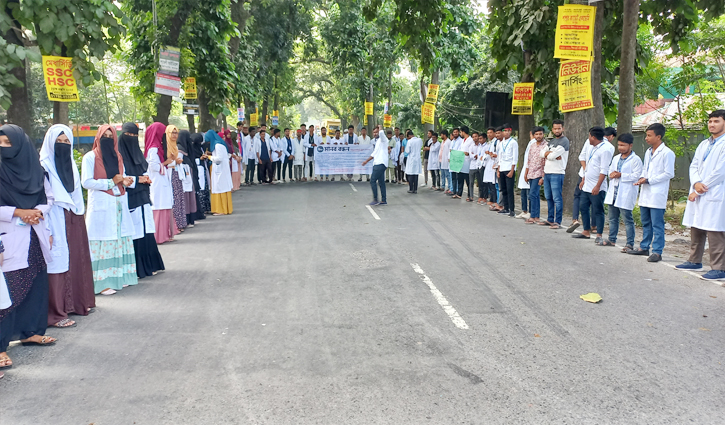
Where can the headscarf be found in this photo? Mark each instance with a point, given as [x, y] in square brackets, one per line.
[135, 164]
[109, 161]
[213, 140]
[57, 159]
[226, 135]
[21, 175]
[152, 138]
[172, 152]
[185, 147]
[197, 141]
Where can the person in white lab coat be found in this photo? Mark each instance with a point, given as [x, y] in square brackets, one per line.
[622, 195]
[413, 165]
[325, 139]
[221, 175]
[467, 146]
[110, 227]
[162, 195]
[249, 156]
[70, 288]
[277, 154]
[351, 139]
[508, 156]
[337, 140]
[443, 160]
[705, 211]
[148, 258]
[657, 171]
[523, 183]
[434, 165]
[390, 174]
[311, 141]
[298, 156]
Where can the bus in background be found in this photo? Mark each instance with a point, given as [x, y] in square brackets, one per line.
[84, 135]
[331, 125]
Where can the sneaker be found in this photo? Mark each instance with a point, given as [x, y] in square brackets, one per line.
[638, 251]
[383, 203]
[714, 275]
[526, 216]
[374, 203]
[504, 212]
[654, 258]
[360, 179]
[689, 266]
[512, 214]
[519, 215]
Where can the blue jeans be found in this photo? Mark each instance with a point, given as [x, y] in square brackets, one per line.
[378, 177]
[445, 177]
[534, 198]
[614, 214]
[525, 200]
[653, 229]
[596, 202]
[553, 184]
[454, 182]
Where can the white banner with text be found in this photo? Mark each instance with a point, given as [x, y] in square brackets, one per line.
[343, 159]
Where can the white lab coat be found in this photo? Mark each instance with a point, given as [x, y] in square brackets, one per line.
[346, 138]
[468, 146]
[394, 152]
[162, 194]
[221, 172]
[249, 151]
[523, 182]
[708, 210]
[276, 145]
[433, 162]
[444, 154]
[364, 140]
[102, 214]
[658, 169]
[413, 148]
[298, 149]
[627, 192]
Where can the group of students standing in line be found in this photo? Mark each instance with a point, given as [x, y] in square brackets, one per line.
[57, 253]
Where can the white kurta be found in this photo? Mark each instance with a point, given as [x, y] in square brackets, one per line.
[523, 183]
[162, 194]
[414, 166]
[444, 155]
[102, 217]
[298, 149]
[708, 210]
[433, 162]
[658, 169]
[626, 190]
[221, 173]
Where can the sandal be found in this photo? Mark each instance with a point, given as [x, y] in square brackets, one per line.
[555, 226]
[5, 362]
[580, 236]
[45, 340]
[65, 323]
[544, 223]
[530, 221]
[608, 243]
[626, 248]
[469, 200]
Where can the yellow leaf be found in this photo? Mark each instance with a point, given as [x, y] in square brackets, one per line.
[591, 297]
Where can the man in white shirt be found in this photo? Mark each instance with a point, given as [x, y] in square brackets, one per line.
[414, 165]
[705, 211]
[380, 163]
[594, 184]
[456, 142]
[426, 155]
[657, 171]
[488, 173]
[508, 156]
[311, 142]
[325, 140]
[250, 158]
[277, 153]
[392, 158]
[622, 195]
[445, 185]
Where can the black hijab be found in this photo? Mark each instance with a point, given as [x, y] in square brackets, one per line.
[64, 164]
[186, 146]
[135, 164]
[21, 175]
[197, 141]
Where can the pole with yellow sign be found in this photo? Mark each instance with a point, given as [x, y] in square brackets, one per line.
[575, 85]
[427, 114]
[574, 37]
[190, 88]
[60, 85]
[523, 100]
[387, 120]
[432, 96]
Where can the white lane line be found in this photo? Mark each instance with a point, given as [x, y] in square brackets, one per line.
[447, 307]
[375, 215]
[353, 188]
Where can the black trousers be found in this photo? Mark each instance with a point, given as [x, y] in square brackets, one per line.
[435, 177]
[249, 172]
[266, 171]
[463, 178]
[287, 166]
[476, 176]
[506, 185]
[492, 193]
[278, 167]
[413, 182]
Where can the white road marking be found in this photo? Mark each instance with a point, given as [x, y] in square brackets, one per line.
[447, 307]
[375, 215]
[353, 188]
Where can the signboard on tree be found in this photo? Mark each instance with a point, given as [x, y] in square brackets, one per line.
[60, 85]
[575, 32]
[168, 85]
[169, 58]
[575, 85]
[387, 120]
[368, 108]
[523, 101]
[432, 96]
[427, 115]
[190, 88]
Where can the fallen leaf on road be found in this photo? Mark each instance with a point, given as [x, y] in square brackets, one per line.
[537, 336]
[591, 297]
[712, 296]
[705, 329]
[523, 243]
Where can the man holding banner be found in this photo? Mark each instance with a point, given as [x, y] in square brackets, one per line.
[380, 163]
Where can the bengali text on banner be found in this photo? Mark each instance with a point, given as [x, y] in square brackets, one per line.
[574, 32]
[343, 159]
[60, 85]
[575, 86]
[523, 101]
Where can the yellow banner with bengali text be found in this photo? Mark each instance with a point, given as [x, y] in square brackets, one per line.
[254, 119]
[523, 101]
[427, 115]
[387, 120]
[190, 88]
[575, 32]
[575, 85]
[432, 96]
[368, 108]
[60, 85]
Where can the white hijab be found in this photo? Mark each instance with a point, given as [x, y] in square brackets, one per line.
[70, 201]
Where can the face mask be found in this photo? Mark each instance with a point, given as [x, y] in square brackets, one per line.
[64, 165]
[107, 142]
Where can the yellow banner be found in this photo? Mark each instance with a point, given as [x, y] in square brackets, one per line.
[432, 96]
[275, 113]
[575, 86]
[387, 120]
[427, 114]
[60, 85]
[254, 119]
[575, 32]
[365, 120]
[523, 101]
[368, 108]
[190, 88]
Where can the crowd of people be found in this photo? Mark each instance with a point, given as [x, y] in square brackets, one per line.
[58, 250]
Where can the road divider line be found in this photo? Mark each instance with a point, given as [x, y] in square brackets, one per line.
[375, 215]
[442, 301]
[353, 187]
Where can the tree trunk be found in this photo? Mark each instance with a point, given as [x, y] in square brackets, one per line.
[625, 108]
[526, 122]
[190, 121]
[577, 125]
[598, 112]
[163, 104]
[60, 113]
[19, 111]
[263, 115]
[206, 120]
[371, 118]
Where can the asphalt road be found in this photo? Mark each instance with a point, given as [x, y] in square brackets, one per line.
[302, 308]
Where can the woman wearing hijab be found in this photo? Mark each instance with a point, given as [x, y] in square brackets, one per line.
[177, 176]
[221, 175]
[148, 258]
[110, 227]
[70, 274]
[202, 175]
[191, 181]
[25, 198]
[236, 162]
[162, 195]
